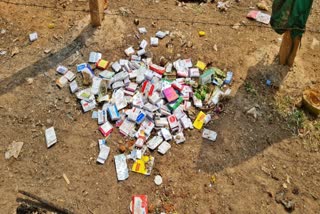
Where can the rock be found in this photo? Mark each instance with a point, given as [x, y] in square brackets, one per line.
[285, 186]
[236, 26]
[87, 80]
[253, 112]
[263, 6]
[289, 205]
[15, 51]
[314, 43]
[215, 47]
[122, 148]
[158, 180]
[29, 80]
[163, 61]
[67, 100]
[296, 191]
[3, 52]
[46, 51]
[3, 31]
[49, 122]
[279, 197]
[189, 44]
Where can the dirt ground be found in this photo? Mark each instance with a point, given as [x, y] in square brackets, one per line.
[260, 164]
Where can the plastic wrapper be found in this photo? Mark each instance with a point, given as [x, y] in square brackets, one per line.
[120, 162]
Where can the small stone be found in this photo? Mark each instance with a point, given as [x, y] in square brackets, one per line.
[263, 6]
[158, 180]
[153, 24]
[163, 61]
[285, 186]
[67, 100]
[46, 51]
[87, 80]
[236, 26]
[253, 112]
[2, 53]
[3, 31]
[296, 191]
[29, 81]
[122, 148]
[215, 47]
[314, 43]
[15, 51]
[49, 122]
[288, 205]
[189, 44]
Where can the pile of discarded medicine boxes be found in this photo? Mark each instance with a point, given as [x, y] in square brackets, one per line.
[134, 96]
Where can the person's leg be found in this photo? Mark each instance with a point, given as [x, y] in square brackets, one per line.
[293, 53]
[285, 48]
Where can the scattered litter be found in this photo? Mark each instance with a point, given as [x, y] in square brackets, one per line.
[94, 57]
[199, 121]
[209, 134]
[158, 180]
[164, 147]
[33, 37]
[142, 30]
[259, 16]
[104, 152]
[150, 104]
[223, 6]
[51, 25]
[66, 178]
[2, 53]
[268, 82]
[121, 167]
[213, 179]
[202, 33]
[144, 165]
[14, 150]
[51, 137]
[139, 204]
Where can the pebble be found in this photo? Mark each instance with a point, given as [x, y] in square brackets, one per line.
[67, 100]
[46, 51]
[49, 122]
[30, 81]
[15, 51]
[158, 180]
[189, 44]
[215, 47]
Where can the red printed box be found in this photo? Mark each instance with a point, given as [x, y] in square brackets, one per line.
[156, 68]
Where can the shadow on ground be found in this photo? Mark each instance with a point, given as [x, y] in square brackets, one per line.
[241, 136]
[44, 64]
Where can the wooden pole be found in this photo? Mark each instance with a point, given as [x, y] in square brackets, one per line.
[96, 12]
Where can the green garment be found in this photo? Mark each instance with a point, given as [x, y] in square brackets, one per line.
[290, 15]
